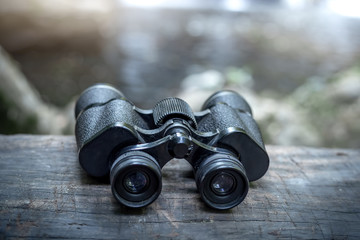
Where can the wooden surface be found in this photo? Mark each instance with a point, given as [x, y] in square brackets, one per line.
[307, 193]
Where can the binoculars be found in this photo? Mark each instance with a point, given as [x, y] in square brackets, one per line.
[222, 143]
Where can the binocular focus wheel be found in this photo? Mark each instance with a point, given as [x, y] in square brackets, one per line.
[222, 181]
[135, 179]
[172, 108]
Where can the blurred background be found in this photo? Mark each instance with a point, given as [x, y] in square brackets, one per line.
[297, 62]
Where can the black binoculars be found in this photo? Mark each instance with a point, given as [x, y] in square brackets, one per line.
[222, 143]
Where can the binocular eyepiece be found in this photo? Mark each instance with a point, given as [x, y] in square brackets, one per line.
[222, 143]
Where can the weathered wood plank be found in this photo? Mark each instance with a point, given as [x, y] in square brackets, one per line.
[307, 193]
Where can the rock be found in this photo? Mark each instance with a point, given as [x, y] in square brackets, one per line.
[347, 86]
[196, 88]
[210, 80]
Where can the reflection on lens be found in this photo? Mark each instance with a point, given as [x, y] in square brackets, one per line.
[136, 182]
[223, 183]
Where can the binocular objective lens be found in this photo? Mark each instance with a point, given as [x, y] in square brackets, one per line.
[223, 184]
[222, 181]
[135, 179]
[136, 182]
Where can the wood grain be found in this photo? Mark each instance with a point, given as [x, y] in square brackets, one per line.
[307, 193]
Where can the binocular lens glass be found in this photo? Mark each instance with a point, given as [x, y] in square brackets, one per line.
[223, 184]
[136, 182]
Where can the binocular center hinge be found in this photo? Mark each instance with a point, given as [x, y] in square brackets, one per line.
[180, 145]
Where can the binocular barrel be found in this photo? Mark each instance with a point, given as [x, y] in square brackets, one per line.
[222, 143]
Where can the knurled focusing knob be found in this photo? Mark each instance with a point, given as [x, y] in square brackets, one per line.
[173, 108]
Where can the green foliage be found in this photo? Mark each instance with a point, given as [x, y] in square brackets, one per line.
[12, 122]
